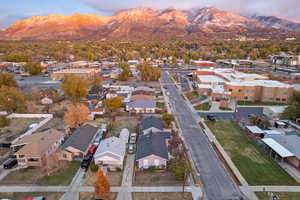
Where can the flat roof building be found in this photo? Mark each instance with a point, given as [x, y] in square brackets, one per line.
[78, 72]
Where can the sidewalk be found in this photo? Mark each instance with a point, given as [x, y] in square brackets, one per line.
[127, 177]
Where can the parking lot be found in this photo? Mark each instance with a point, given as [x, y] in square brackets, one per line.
[242, 113]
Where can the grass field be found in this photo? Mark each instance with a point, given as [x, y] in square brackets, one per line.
[281, 195]
[256, 167]
[38, 176]
[23, 195]
[162, 196]
[204, 106]
[250, 103]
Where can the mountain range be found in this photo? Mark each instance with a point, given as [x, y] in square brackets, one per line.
[151, 24]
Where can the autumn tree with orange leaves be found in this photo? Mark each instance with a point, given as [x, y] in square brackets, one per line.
[102, 185]
[76, 115]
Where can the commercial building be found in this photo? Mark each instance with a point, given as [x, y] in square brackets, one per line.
[228, 83]
[79, 72]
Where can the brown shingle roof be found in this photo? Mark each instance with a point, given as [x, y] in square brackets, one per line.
[38, 143]
[142, 96]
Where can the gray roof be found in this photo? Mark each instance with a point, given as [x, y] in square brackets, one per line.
[290, 142]
[81, 137]
[112, 145]
[151, 121]
[142, 103]
[152, 144]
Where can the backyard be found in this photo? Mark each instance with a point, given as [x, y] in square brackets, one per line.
[37, 175]
[256, 167]
[116, 125]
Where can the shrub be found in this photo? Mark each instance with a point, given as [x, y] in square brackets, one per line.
[151, 169]
[4, 121]
[94, 168]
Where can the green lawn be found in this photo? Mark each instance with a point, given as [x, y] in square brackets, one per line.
[191, 95]
[225, 108]
[160, 104]
[63, 176]
[250, 103]
[281, 195]
[23, 195]
[204, 106]
[256, 167]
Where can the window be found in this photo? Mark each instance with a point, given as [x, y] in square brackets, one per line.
[277, 99]
[240, 90]
[246, 97]
[156, 162]
[230, 90]
[33, 159]
[283, 100]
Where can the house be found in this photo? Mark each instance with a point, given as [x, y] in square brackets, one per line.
[111, 153]
[151, 124]
[152, 151]
[124, 135]
[143, 88]
[142, 96]
[95, 94]
[77, 144]
[141, 106]
[284, 148]
[96, 112]
[35, 149]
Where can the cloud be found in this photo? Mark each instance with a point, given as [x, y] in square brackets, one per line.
[289, 9]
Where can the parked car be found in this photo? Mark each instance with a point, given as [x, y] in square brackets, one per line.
[85, 163]
[92, 150]
[36, 198]
[132, 139]
[131, 148]
[211, 118]
[97, 141]
[10, 163]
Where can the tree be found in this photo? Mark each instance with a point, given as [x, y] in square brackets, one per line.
[102, 185]
[7, 79]
[91, 56]
[168, 118]
[33, 68]
[148, 73]
[4, 121]
[74, 88]
[125, 74]
[96, 81]
[76, 115]
[12, 99]
[113, 104]
[293, 110]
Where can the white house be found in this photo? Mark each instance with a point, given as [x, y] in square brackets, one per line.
[111, 153]
[141, 106]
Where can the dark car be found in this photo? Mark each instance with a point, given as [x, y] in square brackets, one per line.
[211, 118]
[10, 163]
[86, 162]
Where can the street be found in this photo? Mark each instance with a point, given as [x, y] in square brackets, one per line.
[218, 184]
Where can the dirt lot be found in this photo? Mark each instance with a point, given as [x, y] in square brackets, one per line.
[115, 178]
[38, 175]
[156, 178]
[55, 123]
[120, 122]
[21, 195]
[161, 196]
[91, 196]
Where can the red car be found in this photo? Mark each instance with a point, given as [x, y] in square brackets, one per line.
[92, 150]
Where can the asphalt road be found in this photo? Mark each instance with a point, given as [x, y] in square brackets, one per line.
[218, 185]
[242, 113]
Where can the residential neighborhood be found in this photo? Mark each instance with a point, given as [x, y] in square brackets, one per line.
[173, 100]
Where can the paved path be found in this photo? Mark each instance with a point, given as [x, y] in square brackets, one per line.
[215, 107]
[127, 177]
[217, 183]
[72, 192]
[291, 170]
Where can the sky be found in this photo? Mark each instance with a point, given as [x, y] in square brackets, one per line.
[14, 10]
